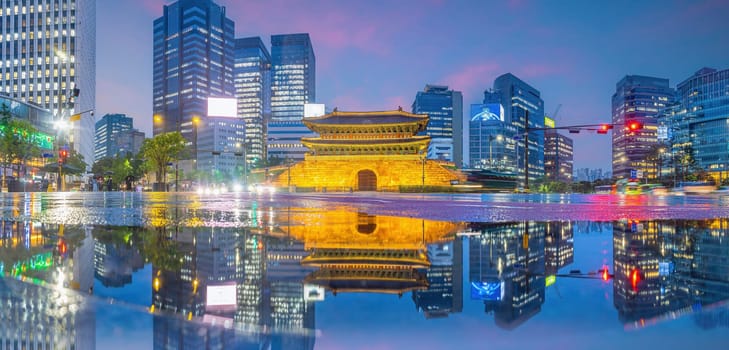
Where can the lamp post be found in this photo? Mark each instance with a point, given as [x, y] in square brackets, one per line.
[62, 57]
[195, 124]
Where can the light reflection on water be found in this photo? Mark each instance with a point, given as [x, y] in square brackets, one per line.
[260, 273]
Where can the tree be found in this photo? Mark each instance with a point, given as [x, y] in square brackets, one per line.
[160, 151]
[16, 141]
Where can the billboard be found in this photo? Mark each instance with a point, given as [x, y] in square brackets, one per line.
[313, 292]
[493, 291]
[549, 122]
[222, 107]
[485, 112]
[221, 295]
[314, 110]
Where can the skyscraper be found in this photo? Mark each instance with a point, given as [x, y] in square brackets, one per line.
[523, 109]
[445, 126]
[48, 49]
[293, 84]
[637, 99]
[193, 60]
[558, 156]
[107, 128]
[252, 79]
[699, 121]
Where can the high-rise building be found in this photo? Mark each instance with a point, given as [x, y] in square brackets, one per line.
[129, 141]
[252, 80]
[490, 142]
[219, 148]
[699, 122]
[47, 50]
[637, 99]
[293, 84]
[558, 156]
[107, 129]
[523, 109]
[193, 60]
[445, 126]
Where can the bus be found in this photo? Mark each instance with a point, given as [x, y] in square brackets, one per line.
[694, 187]
[605, 189]
[628, 186]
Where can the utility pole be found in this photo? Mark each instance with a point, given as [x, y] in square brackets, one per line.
[526, 151]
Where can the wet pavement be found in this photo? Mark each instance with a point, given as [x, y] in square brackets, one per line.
[362, 271]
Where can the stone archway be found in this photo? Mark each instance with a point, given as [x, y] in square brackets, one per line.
[366, 180]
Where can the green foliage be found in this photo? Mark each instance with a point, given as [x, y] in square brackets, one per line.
[161, 150]
[16, 141]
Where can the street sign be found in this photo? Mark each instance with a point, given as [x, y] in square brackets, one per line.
[633, 174]
[639, 174]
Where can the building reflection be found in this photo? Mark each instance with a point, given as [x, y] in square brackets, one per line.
[41, 263]
[507, 270]
[444, 294]
[667, 268]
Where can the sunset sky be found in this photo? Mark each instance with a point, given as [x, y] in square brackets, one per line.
[376, 54]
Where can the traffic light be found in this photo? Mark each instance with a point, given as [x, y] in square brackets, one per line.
[635, 126]
[62, 155]
[635, 278]
[604, 128]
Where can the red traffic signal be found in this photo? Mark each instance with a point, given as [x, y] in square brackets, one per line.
[62, 155]
[635, 125]
[635, 278]
[604, 128]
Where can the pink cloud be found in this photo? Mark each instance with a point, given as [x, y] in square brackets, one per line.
[536, 70]
[473, 77]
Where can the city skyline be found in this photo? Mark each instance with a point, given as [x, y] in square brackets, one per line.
[565, 50]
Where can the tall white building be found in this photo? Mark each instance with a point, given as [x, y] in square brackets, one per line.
[48, 49]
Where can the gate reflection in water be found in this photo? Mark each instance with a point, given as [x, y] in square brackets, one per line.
[289, 275]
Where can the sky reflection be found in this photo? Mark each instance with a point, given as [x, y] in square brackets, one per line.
[298, 278]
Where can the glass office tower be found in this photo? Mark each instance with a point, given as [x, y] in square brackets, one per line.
[444, 108]
[252, 79]
[523, 109]
[701, 120]
[293, 84]
[106, 130]
[193, 60]
[48, 49]
[637, 99]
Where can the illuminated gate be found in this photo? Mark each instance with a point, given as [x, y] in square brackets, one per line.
[366, 180]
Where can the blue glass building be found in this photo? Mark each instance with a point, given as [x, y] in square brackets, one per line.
[193, 60]
[252, 80]
[107, 128]
[700, 120]
[523, 109]
[444, 108]
[637, 99]
[293, 84]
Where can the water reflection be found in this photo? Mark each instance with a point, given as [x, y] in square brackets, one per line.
[259, 282]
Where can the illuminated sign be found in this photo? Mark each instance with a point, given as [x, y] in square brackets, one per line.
[486, 112]
[221, 295]
[550, 280]
[487, 290]
[665, 268]
[222, 107]
[313, 292]
[440, 254]
[38, 262]
[662, 133]
[314, 110]
[548, 122]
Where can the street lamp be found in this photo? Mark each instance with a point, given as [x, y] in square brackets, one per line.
[60, 123]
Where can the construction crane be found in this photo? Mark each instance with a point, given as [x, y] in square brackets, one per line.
[553, 116]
